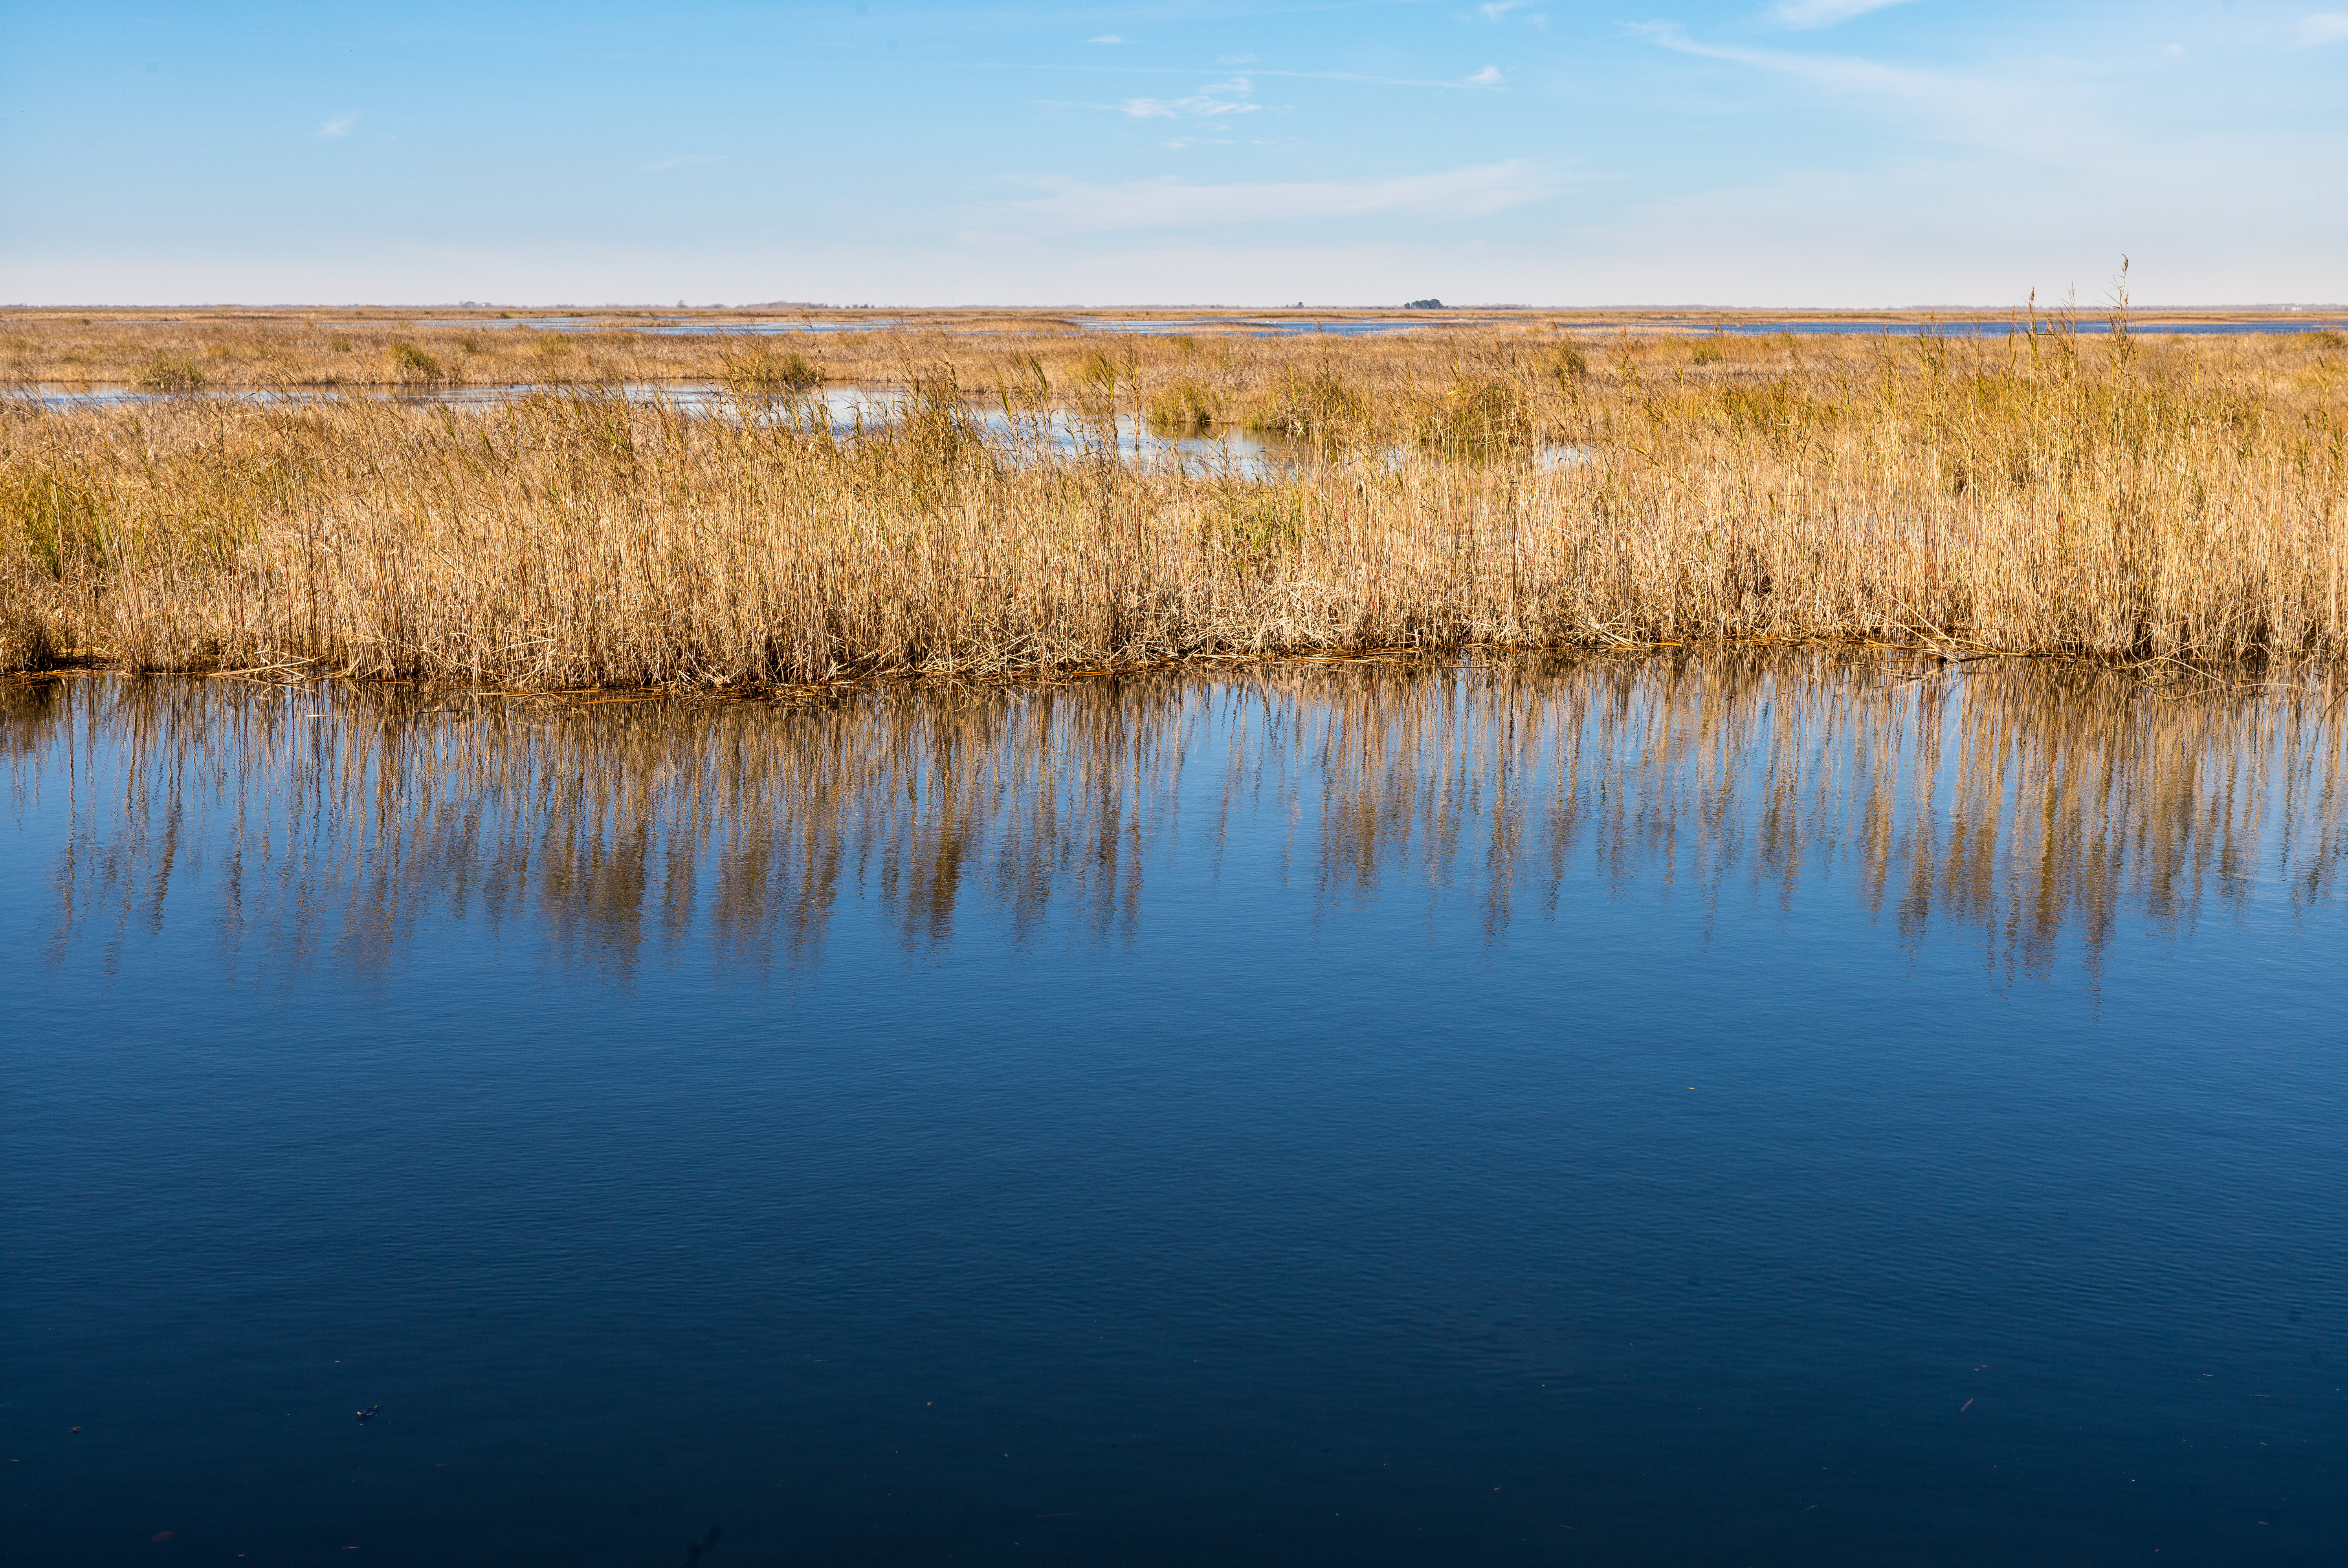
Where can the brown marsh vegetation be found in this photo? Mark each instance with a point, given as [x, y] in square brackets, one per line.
[2135, 499]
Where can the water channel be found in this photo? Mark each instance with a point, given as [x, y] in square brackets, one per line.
[1792, 1109]
[1291, 324]
[1058, 433]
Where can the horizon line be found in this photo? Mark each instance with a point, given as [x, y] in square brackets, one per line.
[2289, 306]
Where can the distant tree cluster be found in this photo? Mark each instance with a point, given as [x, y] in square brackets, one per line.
[1423, 305]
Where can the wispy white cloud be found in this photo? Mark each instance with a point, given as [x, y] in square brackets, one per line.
[2056, 120]
[680, 161]
[1030, 67]
[1105, 38]
[1827, 12]
[338, 128]
[1832, 71]
[1490, 76]
[1499, 8]
[1213, 100]
[1195, 108]
[1070, 206]
[2321, 28]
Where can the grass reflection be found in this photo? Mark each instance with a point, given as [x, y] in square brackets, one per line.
[2035, 804]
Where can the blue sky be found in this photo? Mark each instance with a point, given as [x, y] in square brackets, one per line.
[1821, 152]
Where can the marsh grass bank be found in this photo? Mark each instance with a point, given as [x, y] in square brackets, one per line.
[2145, 501]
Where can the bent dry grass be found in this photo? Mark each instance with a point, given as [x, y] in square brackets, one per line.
[2135, 500]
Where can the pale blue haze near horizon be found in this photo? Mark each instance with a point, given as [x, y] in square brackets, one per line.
[1806, 152]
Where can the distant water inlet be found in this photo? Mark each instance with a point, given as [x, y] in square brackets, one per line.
[1050, 435]
[2033, 806]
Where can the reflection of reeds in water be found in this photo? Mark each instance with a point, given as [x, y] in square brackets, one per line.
[2032, 804]
[2024, 801]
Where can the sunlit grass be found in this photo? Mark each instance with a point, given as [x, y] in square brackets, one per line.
[2149, 501]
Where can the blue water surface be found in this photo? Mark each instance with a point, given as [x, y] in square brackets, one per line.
[1306, 325]
[1659, 1111]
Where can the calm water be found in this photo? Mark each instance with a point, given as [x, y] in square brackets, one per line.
[1307, 325]
[1291, 325]
[848, 410]
[1725, 1110]
[1250, 326]
[675, 326]
[2087, 326]
[1058, 433]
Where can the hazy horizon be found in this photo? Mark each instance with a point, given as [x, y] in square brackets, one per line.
[2044, 307]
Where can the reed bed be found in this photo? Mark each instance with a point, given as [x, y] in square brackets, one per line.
[292, 350]
[2163, 502]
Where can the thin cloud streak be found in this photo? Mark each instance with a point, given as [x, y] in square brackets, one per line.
[2321, 28]
[337, 128]
[1808, 13]
[1237, 60]
[1202, 105]
[1177, 109]
[2009, 114]
[1072, 206]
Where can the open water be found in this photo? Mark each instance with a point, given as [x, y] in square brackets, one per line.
[1058, 434]
[1288, 324]
[1725, 1110]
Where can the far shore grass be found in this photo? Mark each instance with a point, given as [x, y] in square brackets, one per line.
[288, 350]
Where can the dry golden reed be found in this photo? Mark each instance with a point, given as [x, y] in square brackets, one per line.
[2133, 499]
